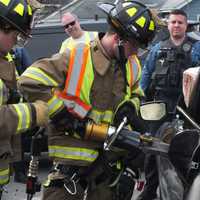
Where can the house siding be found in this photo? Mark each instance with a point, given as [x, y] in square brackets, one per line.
[193, 10]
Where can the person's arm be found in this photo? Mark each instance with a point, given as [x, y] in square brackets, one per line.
[23, 59]
[26, 60]
[42, 79]
[196, 54]
[149, 67]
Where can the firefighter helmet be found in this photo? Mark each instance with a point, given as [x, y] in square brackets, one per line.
[131, 20]
[18, 13]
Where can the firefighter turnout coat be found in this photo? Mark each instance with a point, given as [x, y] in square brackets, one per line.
[15, 117]
[87, 82]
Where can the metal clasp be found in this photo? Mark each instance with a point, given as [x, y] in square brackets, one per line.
[72, 180]
[194, 165]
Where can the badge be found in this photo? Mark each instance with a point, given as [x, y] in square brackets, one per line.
[187, 47]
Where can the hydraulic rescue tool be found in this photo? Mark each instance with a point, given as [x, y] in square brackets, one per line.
[33, 185]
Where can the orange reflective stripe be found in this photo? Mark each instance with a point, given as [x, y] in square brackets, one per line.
[70, 69]
[131, 75]
[83, 67]
[71, 95]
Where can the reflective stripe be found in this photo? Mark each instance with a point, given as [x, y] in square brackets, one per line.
[23, 112]
[76, 108]
[73, 153]
[54, 104]
[4, 93]
[4, 176]
[132, 67]
[74, 84]
[70, 43]
[1, 92]
[39, 75]
[77, 70]
[99, 116]
[91, 36]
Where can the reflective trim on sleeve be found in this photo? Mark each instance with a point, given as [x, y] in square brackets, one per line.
[39, 75]
[54, 104]
[99, 116]
[77, 108]
[4, 176]
[3, 93]
[23, 112]
[73, 153]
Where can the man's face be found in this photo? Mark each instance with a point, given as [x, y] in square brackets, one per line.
[7, 40]
[177, 26]
[72, 26]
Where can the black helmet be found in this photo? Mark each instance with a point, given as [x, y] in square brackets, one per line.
[18, 13]
[131, 20]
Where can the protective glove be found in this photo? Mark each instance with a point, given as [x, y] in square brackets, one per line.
[65, 121]
[128, 110]
[125, 185]
[42, 113]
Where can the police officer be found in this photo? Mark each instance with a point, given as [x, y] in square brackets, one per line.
[87, 88]
[15, 118]
[162, 78]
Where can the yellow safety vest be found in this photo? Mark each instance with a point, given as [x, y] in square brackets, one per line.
[71, 43]
[76, 94]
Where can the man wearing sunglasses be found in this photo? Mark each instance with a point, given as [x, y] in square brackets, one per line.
[88, 87]
[15, 117]
[76, 34]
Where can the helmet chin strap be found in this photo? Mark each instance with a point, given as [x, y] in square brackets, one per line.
[122, 61]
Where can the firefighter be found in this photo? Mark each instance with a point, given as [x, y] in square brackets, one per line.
[88, 88]
[15, 21]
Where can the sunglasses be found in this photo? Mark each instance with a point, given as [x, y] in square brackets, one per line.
[70, 24]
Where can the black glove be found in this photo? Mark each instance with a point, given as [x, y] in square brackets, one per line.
[126, 184]
[14, 96]
[66, 122]
[128, 110]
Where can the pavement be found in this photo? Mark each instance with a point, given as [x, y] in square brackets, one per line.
[17, 191]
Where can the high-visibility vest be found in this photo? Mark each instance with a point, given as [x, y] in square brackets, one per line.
[70, 42]
[76, 94]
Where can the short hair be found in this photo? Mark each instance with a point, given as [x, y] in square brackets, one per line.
[69, 13]
[178, 12]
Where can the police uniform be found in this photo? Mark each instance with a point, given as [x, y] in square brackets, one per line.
[162, 80]
[94, 90]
